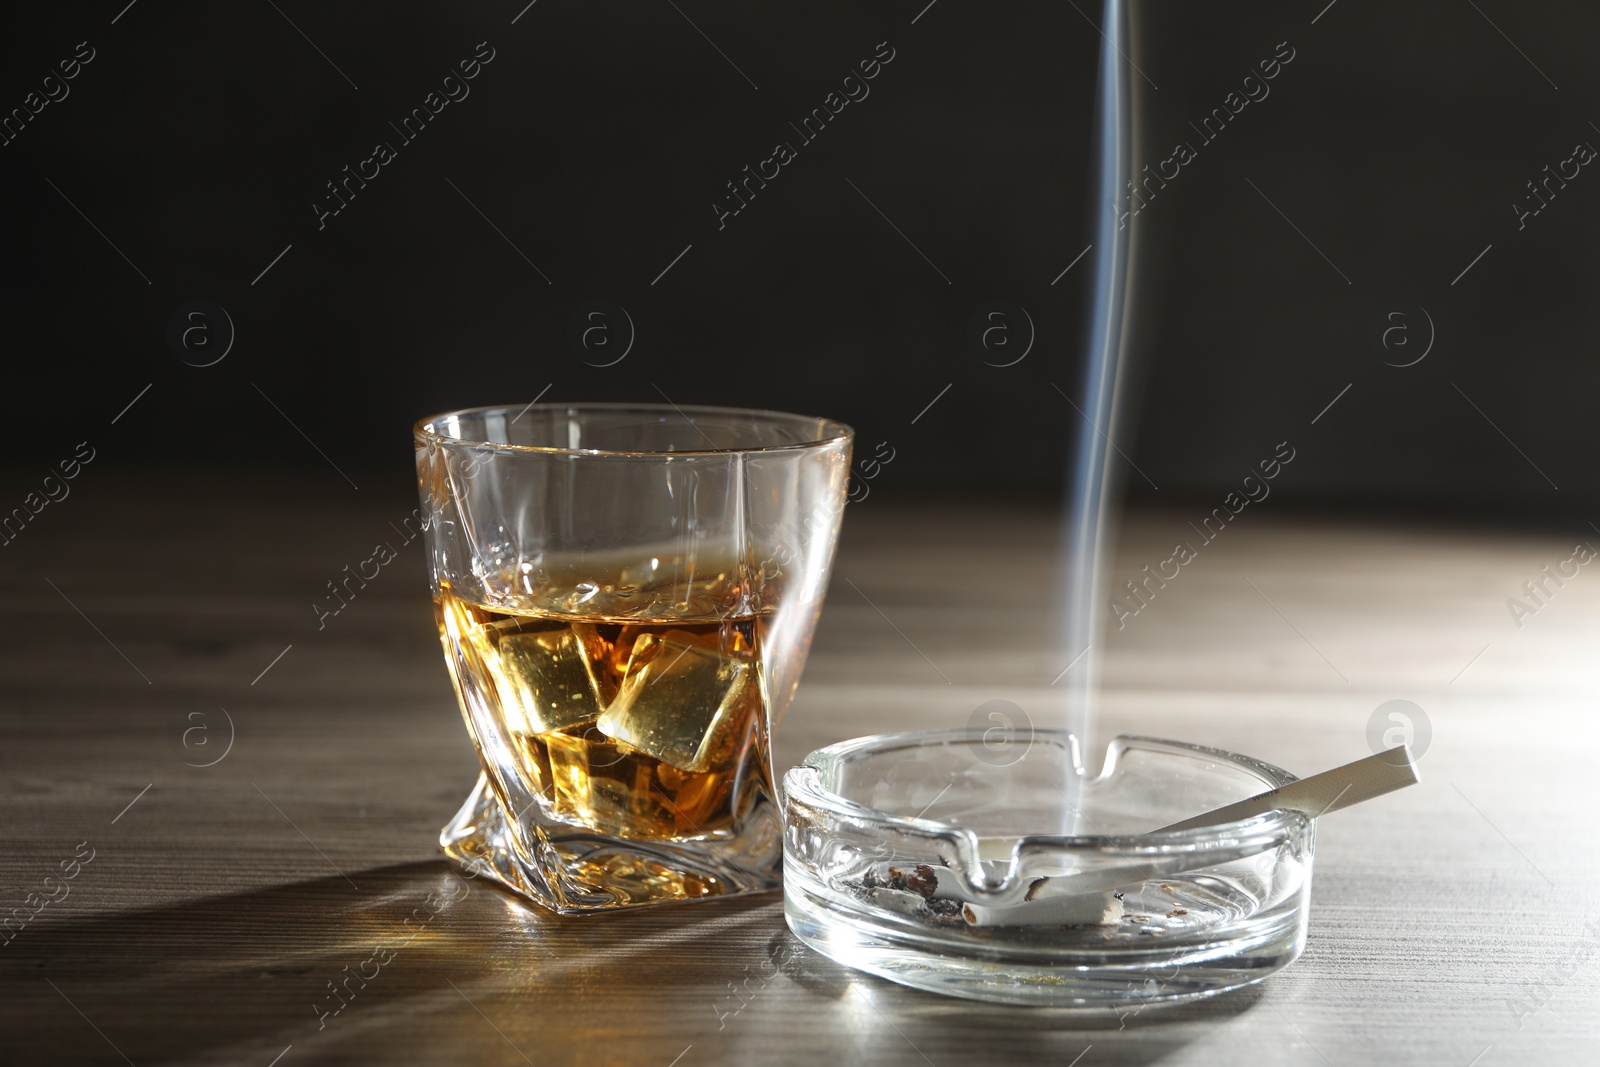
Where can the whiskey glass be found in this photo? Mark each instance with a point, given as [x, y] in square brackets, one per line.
[625, 595]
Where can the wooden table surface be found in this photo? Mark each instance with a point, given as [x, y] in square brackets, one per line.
[149, 618]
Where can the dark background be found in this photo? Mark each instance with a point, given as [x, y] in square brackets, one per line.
[1387, 156]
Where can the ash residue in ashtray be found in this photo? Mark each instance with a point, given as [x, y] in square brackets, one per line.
[911, 891]
[921, 879]
[938, 896]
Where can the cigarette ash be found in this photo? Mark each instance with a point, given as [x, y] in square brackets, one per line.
[938, 896]
[912, 892]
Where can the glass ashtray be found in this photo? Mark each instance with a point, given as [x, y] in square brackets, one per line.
[934, 860]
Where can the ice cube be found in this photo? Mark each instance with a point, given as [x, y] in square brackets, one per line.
[602, 782]
[547, 674]
[683, 703]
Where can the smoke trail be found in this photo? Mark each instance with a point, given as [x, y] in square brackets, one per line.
[1093, 481]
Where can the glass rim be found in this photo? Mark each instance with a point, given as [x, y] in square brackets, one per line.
[835, 431]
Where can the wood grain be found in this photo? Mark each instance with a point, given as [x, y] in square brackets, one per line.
[218, 907]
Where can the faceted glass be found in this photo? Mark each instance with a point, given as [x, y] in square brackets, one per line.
[625, 596]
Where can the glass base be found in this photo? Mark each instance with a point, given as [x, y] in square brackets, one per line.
[576, 871]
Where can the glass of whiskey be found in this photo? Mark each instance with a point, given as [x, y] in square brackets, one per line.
[625, 595]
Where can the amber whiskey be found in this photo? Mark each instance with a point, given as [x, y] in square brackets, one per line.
[647, 723]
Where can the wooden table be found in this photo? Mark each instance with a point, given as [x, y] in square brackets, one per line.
[1452, 922]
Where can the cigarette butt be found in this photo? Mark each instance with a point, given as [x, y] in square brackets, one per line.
[896, 900]
[1083, 909]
